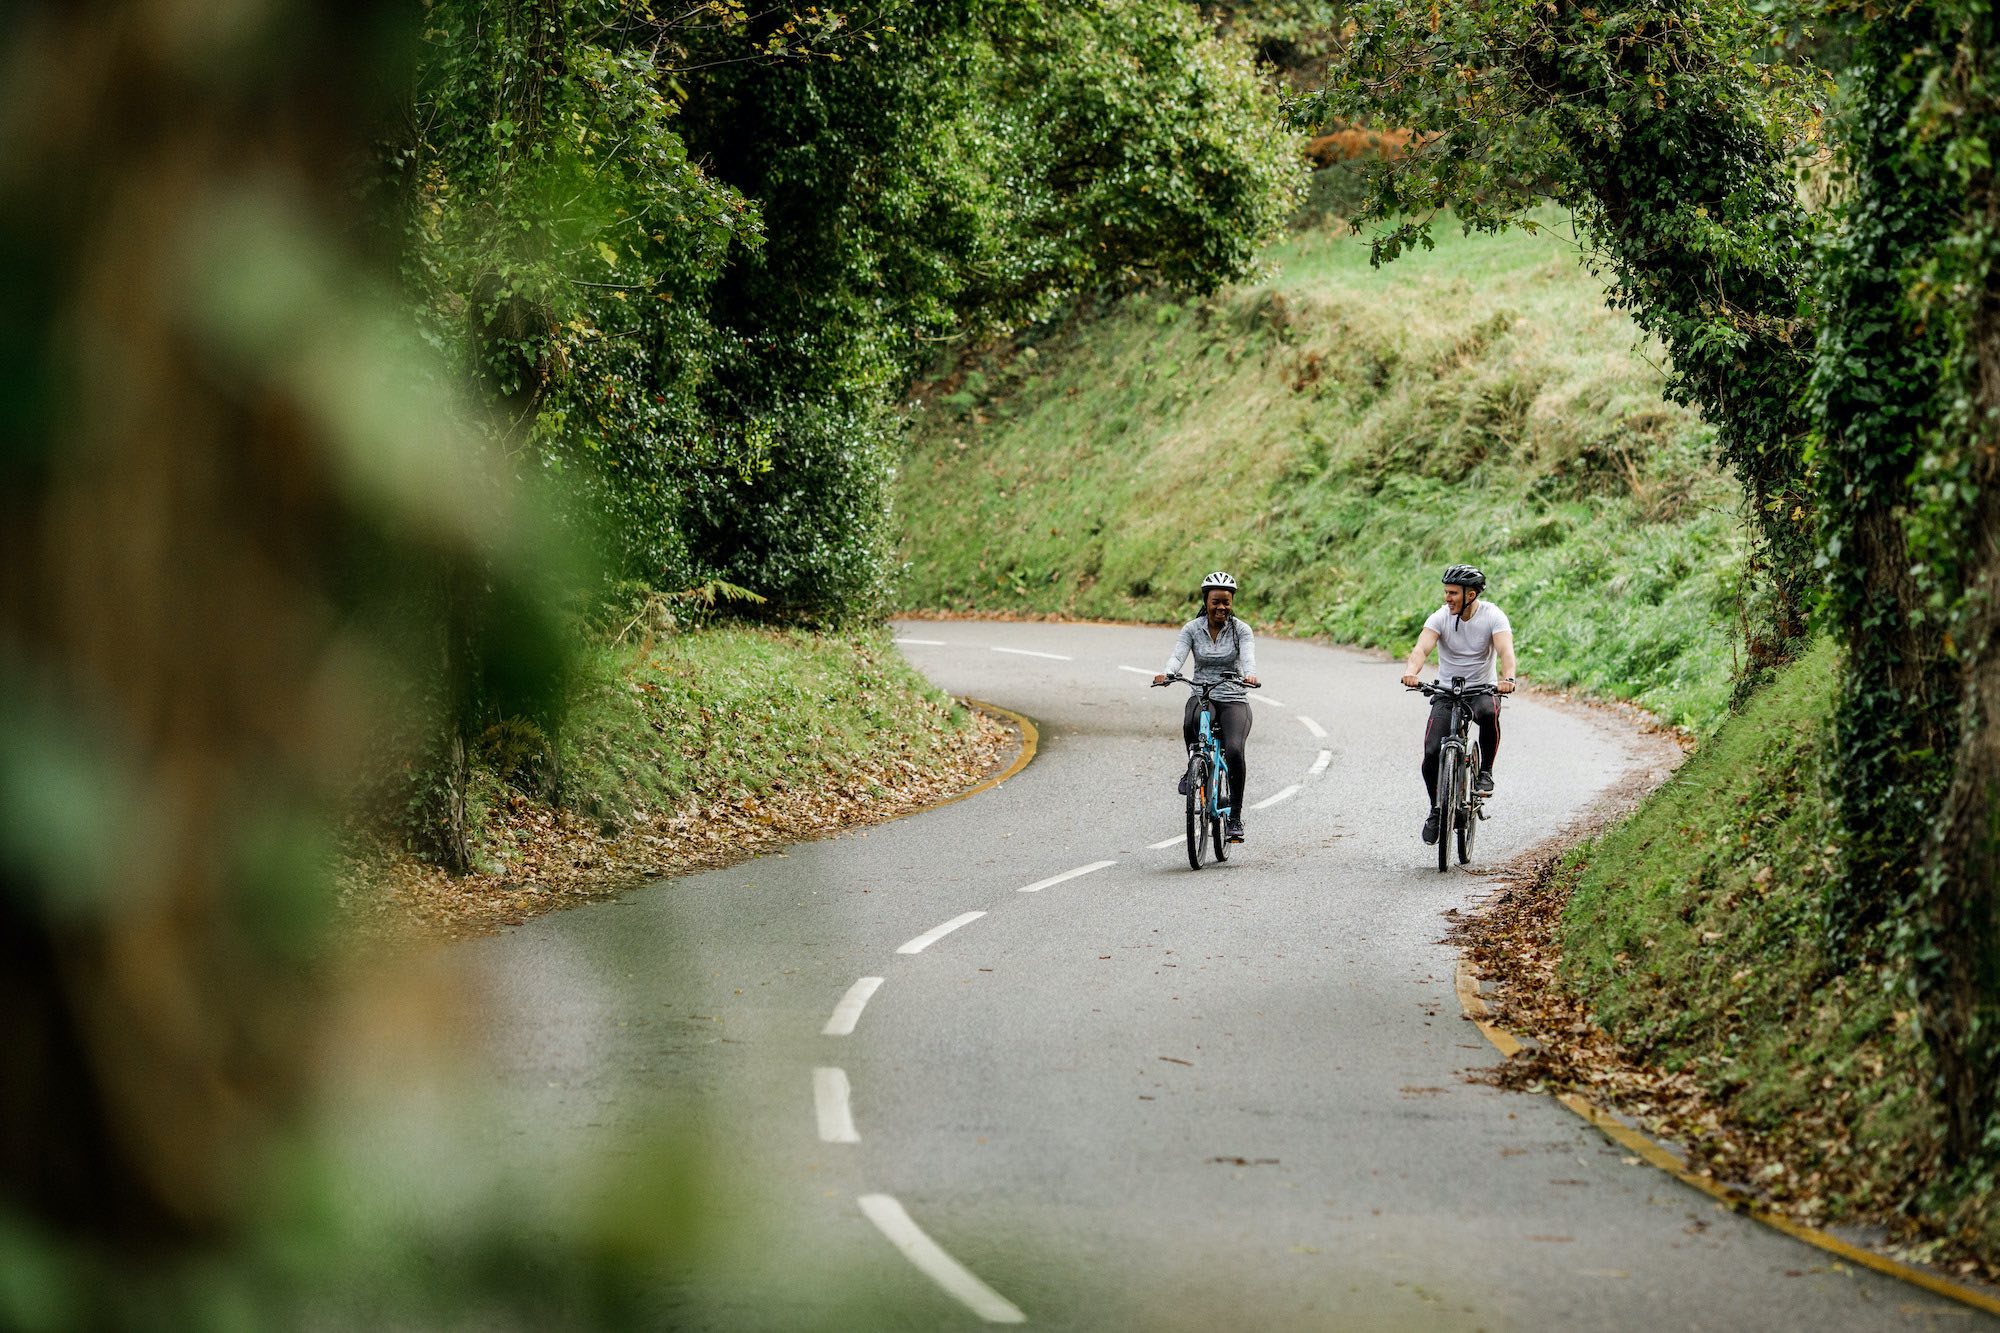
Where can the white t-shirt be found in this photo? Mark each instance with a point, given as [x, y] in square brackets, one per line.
[1465, 647]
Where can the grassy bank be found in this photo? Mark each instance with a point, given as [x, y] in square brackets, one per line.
[683, 751]
[744, 715]
[1691, 935]
[1335, 435]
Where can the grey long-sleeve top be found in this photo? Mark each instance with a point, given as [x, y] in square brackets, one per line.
[1235, 649]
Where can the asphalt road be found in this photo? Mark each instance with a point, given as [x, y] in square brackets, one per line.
[1140, 1096]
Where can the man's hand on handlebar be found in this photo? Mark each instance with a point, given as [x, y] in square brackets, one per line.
[1411, 682]
[1505, 687]
[1253, 682]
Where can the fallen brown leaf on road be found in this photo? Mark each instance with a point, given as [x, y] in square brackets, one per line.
[1513, 944]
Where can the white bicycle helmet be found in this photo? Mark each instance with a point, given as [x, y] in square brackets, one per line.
[1218, 580]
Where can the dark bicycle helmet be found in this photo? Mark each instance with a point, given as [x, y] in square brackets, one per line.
[1465, 576]
[1218, 580]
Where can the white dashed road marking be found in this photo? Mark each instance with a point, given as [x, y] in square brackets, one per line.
[832, 1093]
[848, 1012]
[936, 933]
[1041, 884]
[1285, 795]
[935, 1264]
[836, 1121]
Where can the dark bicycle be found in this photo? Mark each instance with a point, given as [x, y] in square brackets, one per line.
[1209, 807]
[1460, 806]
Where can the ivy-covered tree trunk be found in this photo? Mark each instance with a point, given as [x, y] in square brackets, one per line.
[1890, 728]
[1879, 361]
[1962, 1007]
[1962, 997]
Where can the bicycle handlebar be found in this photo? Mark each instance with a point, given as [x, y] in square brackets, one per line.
[1228, 678]
[1431, 690]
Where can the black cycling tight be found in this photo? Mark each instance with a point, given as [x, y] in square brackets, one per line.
[1232, 726]
[1485, 714]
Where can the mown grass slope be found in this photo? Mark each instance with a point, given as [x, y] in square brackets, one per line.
[1336, 434]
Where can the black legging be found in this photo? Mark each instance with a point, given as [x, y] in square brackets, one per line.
[1485, 710]
[1232, 724]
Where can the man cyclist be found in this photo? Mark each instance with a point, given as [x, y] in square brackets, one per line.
[1218, 642]
[1468, 632]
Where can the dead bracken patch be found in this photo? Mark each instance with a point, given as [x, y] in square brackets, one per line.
[562, 859]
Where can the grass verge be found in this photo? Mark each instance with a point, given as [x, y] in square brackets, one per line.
[1335, 435]
[1671, 966]
[686, 752]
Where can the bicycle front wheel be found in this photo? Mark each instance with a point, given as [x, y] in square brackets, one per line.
[1468, 804]
[1197, 811]
[1447, 807]
[1224, 799]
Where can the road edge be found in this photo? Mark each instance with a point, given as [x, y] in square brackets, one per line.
[1661, 1157]
[1031, 739]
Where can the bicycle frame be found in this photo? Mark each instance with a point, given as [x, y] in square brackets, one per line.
[1214, 815]
[1458, 725]
[1459, 807]
[1212, 743]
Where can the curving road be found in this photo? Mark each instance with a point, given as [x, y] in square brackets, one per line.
[1010, 1060]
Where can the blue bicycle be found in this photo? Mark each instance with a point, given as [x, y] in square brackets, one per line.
[1209, 800]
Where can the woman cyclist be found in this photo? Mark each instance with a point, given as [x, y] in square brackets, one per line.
[1219, 643]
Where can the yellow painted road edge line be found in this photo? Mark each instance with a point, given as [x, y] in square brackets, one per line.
[1651, 1152]
[1030, 740]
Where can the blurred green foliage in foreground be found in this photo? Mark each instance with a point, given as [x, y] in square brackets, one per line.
[354, 361]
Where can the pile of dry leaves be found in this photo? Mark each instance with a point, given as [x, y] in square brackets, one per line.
[1807, 1169]
[556, 858]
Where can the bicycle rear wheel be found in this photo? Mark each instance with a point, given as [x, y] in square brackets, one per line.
[1447, 806]
[1197, 811]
